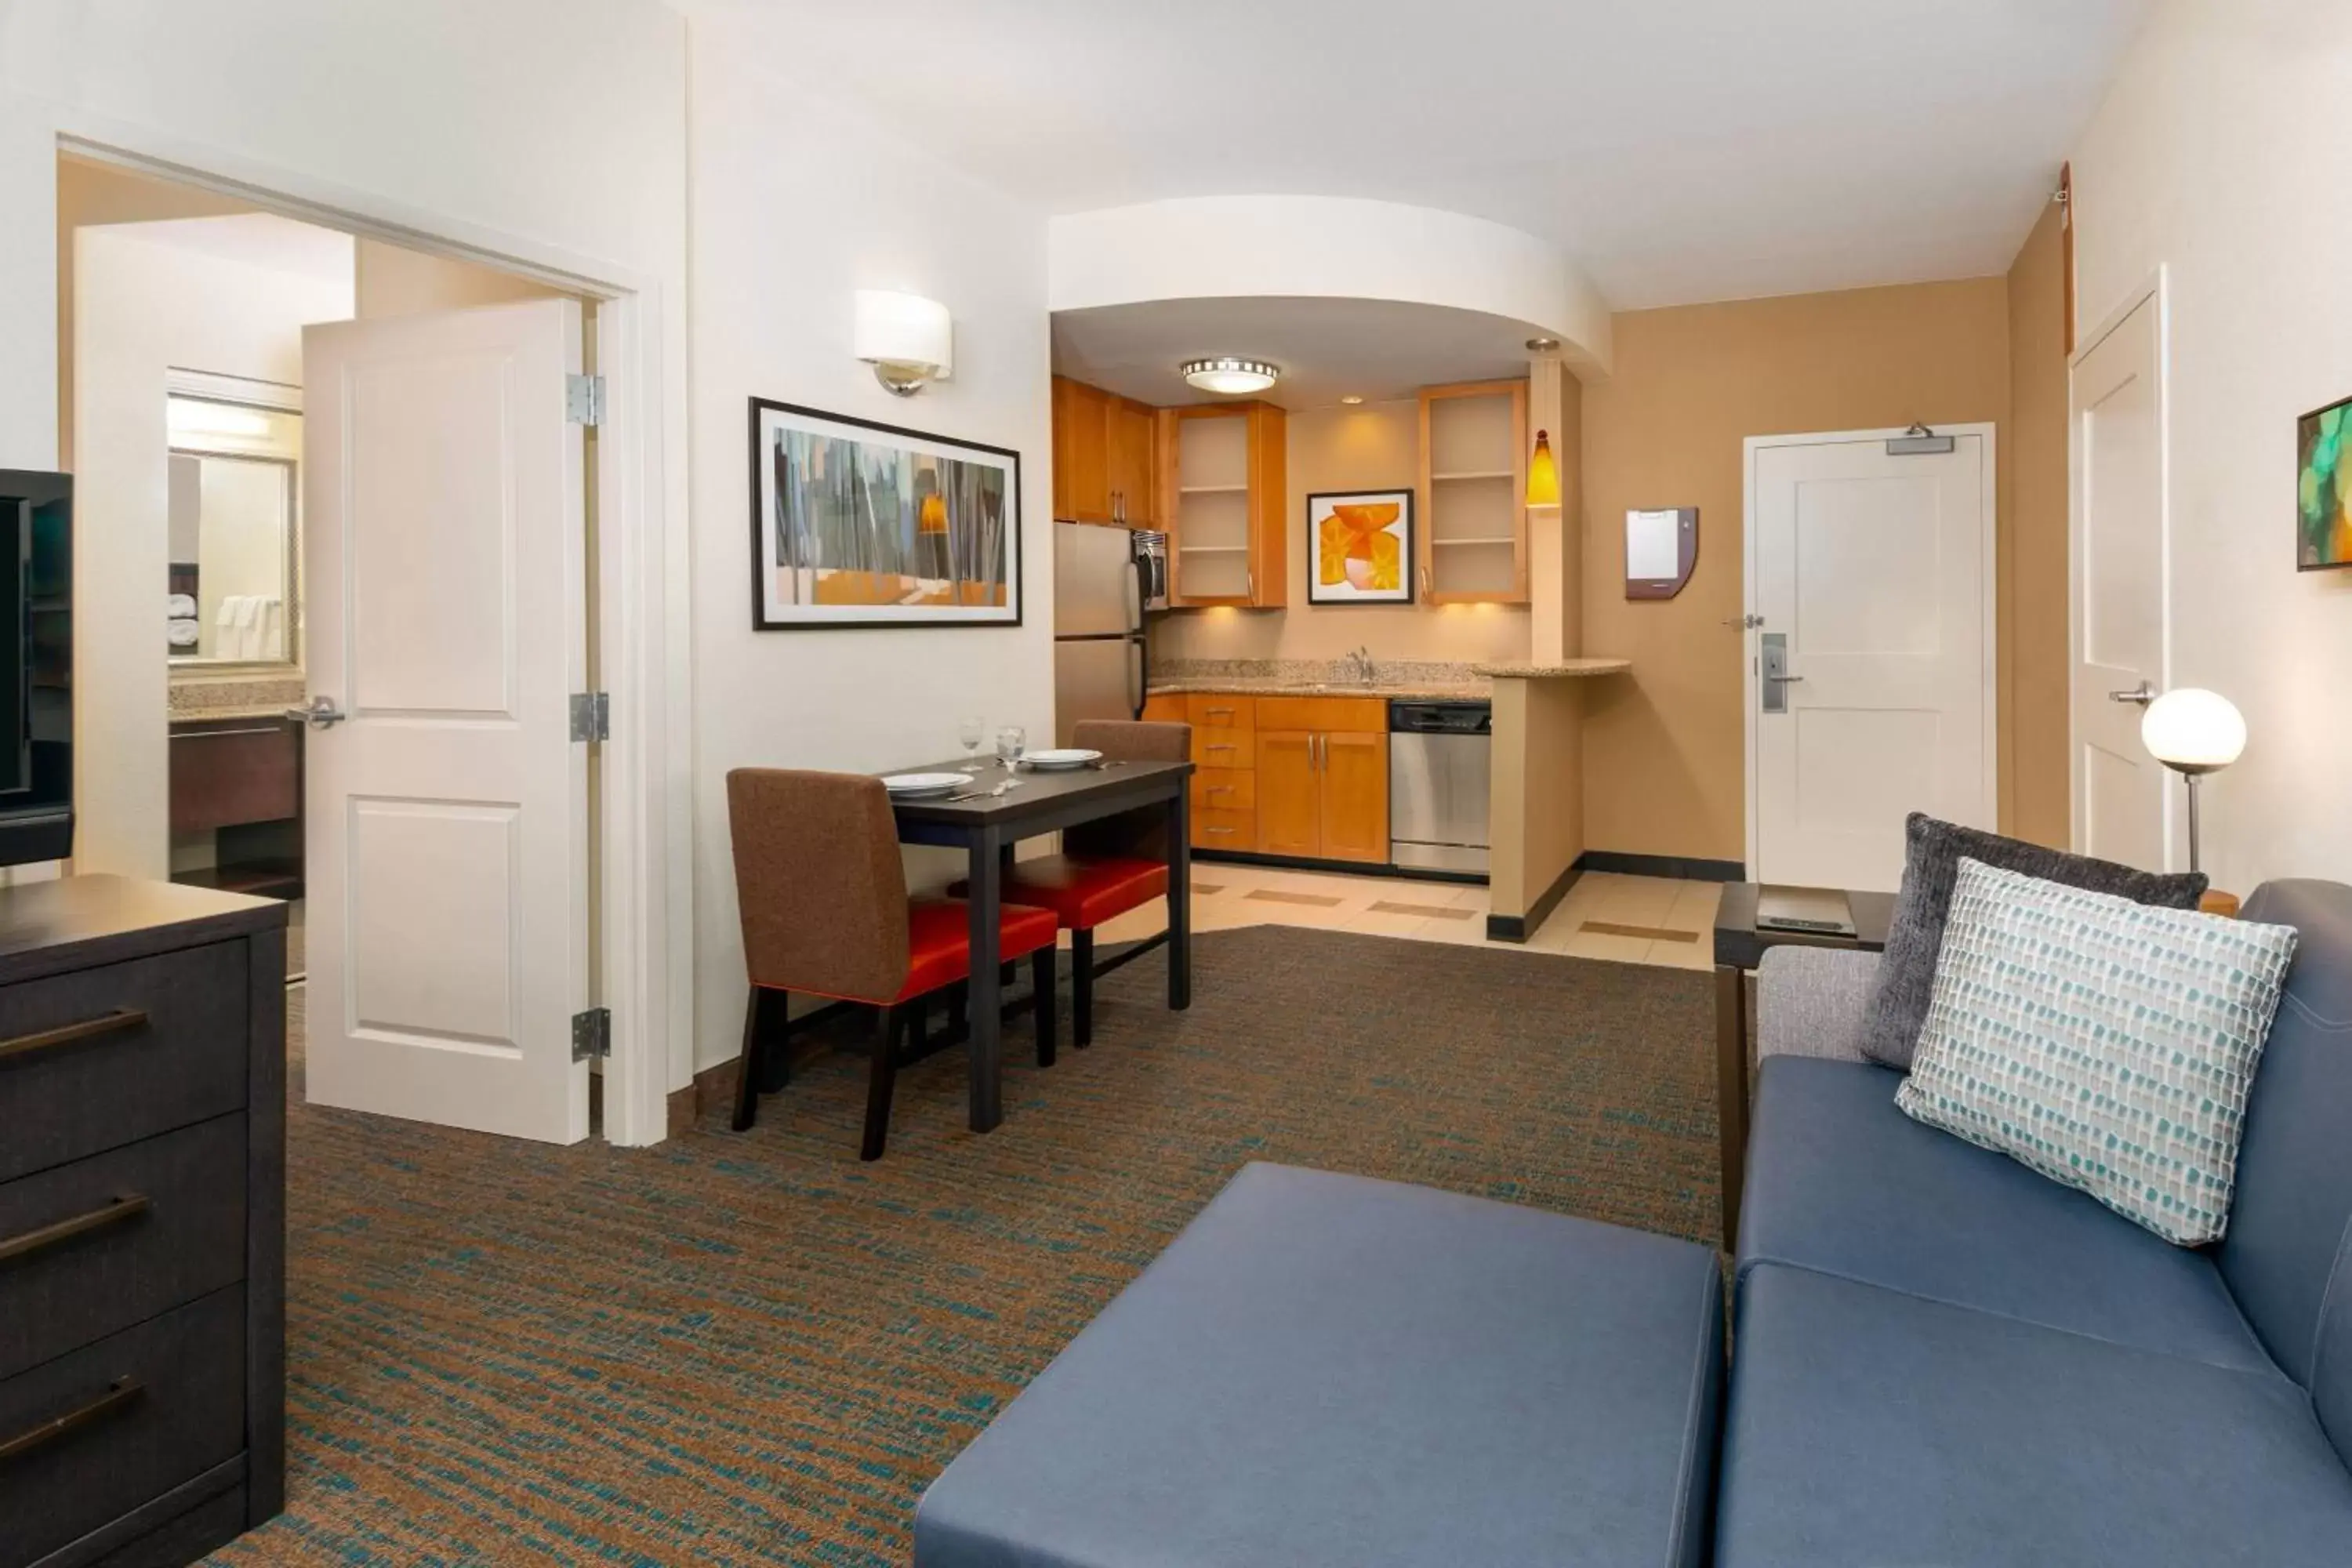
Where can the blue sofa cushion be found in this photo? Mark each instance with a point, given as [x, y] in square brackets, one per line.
[2288, 1253]
[1868, 1426]
[1326, 1369]
[1841, 1181]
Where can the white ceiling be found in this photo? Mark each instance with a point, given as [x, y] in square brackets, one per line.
[1374, 348]
[1681, 149]
[258, 239]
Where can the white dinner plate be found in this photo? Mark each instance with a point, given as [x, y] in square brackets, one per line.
[924, 786]
[1062, 760]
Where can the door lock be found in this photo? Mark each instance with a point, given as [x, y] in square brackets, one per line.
[321, 713]
[2140, 696]
[1773, 670]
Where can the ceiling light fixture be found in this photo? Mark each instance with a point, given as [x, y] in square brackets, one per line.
[1231, 377]
[1353, 398]
[1542, 346]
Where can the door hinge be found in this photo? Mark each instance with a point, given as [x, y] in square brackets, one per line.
[592, 1035]
[592, 716]
[583, 399]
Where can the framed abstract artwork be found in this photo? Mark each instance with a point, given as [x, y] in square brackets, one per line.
[860, 524]
[2323, 535]
[1359, 547]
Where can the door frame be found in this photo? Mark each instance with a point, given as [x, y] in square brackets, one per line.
[643, 957]
[1989, 676]
[2155, 286]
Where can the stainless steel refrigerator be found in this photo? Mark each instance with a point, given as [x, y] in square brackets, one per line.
[1107, 580]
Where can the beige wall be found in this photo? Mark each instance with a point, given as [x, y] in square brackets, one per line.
[2033, 546]
[1664, 747]
[394, 281]
[1375, 446]
[2217, 157]
[1536, 795]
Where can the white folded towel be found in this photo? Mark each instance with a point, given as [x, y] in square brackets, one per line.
[180, 606]
[184, 632]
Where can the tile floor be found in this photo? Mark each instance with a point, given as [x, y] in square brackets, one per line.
[1632, 920]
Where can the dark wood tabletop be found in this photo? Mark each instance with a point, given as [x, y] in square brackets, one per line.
[1042, 801]
[1738, 942]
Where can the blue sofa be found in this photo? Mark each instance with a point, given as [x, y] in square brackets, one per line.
[1940, 1357]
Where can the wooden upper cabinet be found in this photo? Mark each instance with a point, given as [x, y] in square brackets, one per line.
[1225, 493]
[1474, 488]
[1134, 471]
[1081, 452]
[1105, 457]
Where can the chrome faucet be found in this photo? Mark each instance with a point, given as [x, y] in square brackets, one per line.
[1360, 665]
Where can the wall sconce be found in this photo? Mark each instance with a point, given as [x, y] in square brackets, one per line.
[907, 339]
[1543, 474]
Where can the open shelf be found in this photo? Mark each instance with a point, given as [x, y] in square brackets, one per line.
[1505, 539]
[1472, 474]
[1474, 439]
[1214, 549]
[1211, 490]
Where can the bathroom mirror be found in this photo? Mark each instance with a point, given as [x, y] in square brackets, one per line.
[234, 599]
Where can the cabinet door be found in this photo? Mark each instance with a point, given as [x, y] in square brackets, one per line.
[1081, 452]
[1134, 488]
[1354, 781]
[1288, 811]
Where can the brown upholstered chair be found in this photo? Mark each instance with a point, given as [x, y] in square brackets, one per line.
[826, 912]
[1106, 868]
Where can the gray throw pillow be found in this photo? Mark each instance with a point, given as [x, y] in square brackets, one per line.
[1931, 863]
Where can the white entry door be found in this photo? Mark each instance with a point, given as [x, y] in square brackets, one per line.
[448, 810]
[2117, 550]
[1874, 570]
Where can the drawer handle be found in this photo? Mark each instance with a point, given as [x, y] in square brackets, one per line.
[1221, 789]
[121, 1394]
[130, 1205]
[1227, 711]
[112, 1023]
[1217, 830]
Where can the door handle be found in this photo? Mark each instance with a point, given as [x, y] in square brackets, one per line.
[2140, 697]
[321, 713]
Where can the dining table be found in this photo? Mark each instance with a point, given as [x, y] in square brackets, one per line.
[986, 824]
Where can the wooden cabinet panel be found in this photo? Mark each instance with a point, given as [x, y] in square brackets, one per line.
[1133, 473]
[1081, 452]
[1222, 748]
[1224, 500]
[1288, 813]
[1361, 715]
[1224, 789]
[1170, 709]
[1219, 710]
[1354, 788]
[1230, 830]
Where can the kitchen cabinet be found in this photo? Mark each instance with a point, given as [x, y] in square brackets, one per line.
[1473, 546]
[1223, 498]
[1106, 458]
[1322, 785]
[1168, 709]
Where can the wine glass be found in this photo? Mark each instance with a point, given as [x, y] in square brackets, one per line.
[970, 734]
[1010, 742]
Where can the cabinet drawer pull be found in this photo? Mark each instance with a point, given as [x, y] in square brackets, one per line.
[130, 1205]
[1221, 789]
[1227, 711]
[120, 1393]
[1217, 830]
[112, 1023]
[1218, 746]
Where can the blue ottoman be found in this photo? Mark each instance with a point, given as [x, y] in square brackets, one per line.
[1326, 1369]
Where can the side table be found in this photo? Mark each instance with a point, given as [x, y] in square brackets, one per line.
[1739, 946]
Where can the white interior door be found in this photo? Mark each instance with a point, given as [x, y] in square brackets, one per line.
[2118, 548]
[447, 811]
[1877, 568]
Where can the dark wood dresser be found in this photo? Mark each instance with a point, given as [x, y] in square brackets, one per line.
[143, 1221]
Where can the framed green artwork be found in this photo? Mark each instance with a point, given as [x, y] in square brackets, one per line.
[2323, 535]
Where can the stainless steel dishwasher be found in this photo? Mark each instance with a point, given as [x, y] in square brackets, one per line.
[1439, 765]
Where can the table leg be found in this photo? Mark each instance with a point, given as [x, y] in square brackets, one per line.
[1731, 1086]
[1180, 897]
[986, 1001]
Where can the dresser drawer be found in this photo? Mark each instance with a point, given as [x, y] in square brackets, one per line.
[1223, 749]
[105, 1057]
[1224, 789]
[1224, 830]
[93, 1246]
[88, 1437]
[1216, 711]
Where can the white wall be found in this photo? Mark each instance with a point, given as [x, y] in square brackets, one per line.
[147, 302]
[2218, 156]
[798, 202]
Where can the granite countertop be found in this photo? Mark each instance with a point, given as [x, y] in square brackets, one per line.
[1557, 669]
[1277, 686]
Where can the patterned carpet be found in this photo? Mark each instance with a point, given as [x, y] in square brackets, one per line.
[752, 1349]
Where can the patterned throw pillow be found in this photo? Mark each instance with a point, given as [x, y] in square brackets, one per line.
[2106, 1044]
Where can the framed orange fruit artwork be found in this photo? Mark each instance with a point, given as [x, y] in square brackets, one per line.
[1359, 547]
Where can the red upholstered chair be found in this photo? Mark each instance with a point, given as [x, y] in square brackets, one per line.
[826, 912]
[1107, 868]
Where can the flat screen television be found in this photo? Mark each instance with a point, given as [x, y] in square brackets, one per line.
[36, 666]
